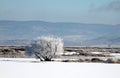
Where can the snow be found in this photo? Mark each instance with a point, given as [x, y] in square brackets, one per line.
[96, 52]
[70, 53]
[20, 59]
[115, 55]
[16, 69]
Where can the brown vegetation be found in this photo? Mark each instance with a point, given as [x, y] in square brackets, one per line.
[12, 51]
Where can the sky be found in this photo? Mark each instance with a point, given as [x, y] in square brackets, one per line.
[80, 11]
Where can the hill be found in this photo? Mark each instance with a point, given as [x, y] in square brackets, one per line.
[72, 33]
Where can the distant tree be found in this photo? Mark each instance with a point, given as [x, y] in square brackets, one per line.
[46, 48]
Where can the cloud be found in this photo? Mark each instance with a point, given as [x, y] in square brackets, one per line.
[112, 6]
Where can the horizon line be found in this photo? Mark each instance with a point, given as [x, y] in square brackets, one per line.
[55, 22]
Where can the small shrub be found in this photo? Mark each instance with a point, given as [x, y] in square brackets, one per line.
[96, 60]
[65, 60]
[46, 48]
[81, 60]
[87, 60]
[118, 61]
[109, 60]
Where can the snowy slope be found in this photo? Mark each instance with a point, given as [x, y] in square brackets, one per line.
[10, 69]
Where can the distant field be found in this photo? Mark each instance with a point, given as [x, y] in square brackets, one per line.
[71, 54]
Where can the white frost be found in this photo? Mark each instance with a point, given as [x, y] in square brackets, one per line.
[47, 47]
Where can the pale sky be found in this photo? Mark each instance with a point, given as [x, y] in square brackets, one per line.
[81, 11]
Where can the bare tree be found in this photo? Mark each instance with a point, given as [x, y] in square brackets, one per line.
[46, 48]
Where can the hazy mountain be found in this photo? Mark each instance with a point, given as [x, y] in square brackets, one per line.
[14, 42]
[104, 41]
[72, 33]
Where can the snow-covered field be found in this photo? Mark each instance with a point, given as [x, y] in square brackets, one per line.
[14, 68]
[19, 59]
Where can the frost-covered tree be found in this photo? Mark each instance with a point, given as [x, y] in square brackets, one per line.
[46, 48]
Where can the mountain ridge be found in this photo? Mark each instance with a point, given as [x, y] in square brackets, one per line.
[74, 33]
